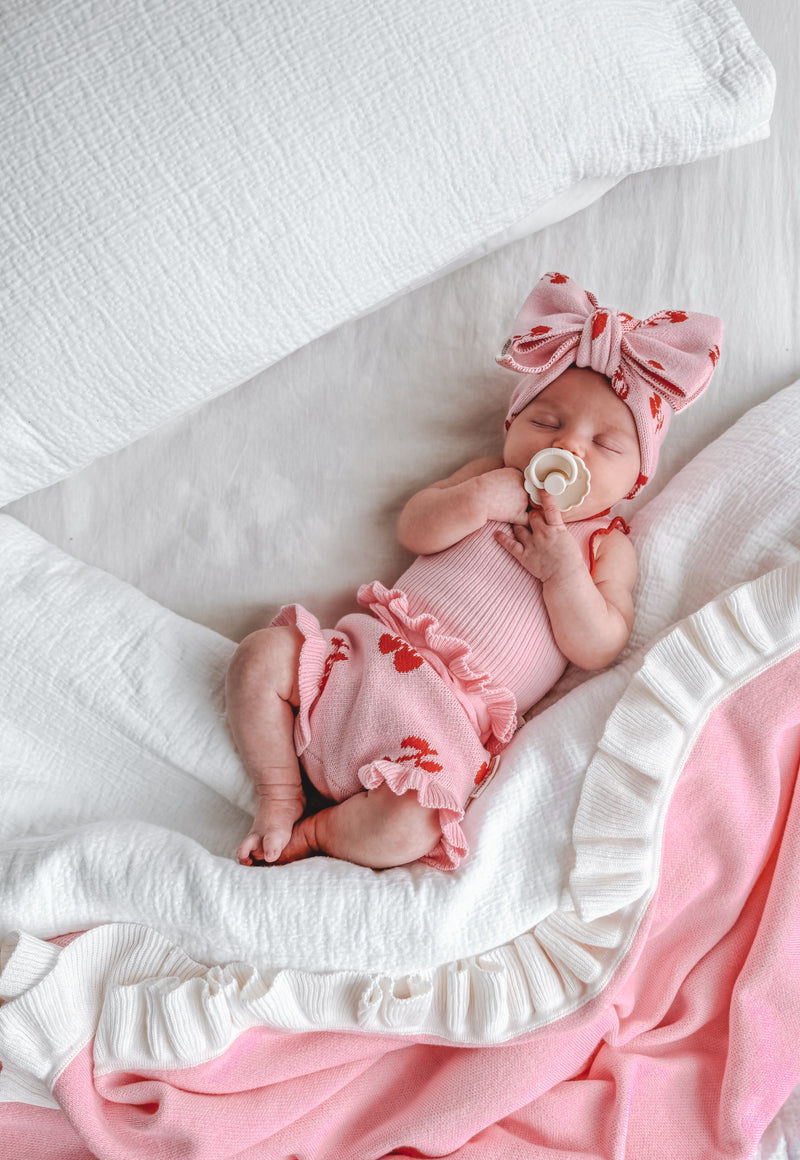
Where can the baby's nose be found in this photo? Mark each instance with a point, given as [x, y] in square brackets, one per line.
[572, 443]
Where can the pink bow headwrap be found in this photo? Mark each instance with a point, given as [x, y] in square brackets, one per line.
[656, 365]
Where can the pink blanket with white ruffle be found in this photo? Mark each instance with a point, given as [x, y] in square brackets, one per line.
[614, 971]
[688, 1050]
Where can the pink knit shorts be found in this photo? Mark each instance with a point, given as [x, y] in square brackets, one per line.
[373, 710]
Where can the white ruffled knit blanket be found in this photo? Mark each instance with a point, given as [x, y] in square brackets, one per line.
[123, 800]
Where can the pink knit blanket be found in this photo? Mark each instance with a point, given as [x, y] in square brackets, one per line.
[688, 1051]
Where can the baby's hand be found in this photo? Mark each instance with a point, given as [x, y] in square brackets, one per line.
[504, 495]
[545, 547]
[279, 807]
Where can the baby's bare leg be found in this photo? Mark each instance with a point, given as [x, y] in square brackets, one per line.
[261, 692]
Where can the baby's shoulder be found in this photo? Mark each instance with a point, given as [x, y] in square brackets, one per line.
[613, 554]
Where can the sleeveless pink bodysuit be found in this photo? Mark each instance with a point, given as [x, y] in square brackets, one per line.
[425, 688]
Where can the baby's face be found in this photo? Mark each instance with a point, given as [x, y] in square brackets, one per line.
[580, 412]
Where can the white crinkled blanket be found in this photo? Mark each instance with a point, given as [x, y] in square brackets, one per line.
[123, 800]
[190, 192]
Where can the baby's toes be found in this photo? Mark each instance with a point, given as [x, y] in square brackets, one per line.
[251, 848]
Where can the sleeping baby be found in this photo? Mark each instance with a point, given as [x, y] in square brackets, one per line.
[399, 713]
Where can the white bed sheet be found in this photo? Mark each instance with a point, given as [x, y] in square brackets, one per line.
[287, 488]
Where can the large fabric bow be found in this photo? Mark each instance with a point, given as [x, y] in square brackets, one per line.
[666, 358]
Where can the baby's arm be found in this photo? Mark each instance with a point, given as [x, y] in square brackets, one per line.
[591, 614]
[447, 511]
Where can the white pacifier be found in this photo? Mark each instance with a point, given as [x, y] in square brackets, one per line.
[561, 474]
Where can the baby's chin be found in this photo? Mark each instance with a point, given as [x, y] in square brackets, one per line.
[588, 511]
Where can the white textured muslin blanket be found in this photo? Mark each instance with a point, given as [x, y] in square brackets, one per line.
[123, 799]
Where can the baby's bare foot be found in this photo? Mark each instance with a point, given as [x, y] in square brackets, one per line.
[302, 843]
[279, 808]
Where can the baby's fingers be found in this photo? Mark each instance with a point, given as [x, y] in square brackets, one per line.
[550, 510]
[511, 543]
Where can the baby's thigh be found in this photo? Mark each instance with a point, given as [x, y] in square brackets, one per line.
[267, 660]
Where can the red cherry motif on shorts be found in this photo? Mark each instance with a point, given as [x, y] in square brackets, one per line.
[339, 653]
[405, 658]
[421, 755]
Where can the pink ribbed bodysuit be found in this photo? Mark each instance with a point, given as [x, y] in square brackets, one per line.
[424, 691]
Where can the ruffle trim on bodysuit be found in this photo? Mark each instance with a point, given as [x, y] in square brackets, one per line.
[311, 668]
[424, 633]
[453, 845]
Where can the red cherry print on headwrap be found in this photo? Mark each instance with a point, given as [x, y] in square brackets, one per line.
[523, 341]
[619, 384]
[666, 316]
[664, 355]
[599, 324]
[656, 412]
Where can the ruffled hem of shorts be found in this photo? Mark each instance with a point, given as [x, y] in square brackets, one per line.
[390, 606]
[311, 667]
[453, 845]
